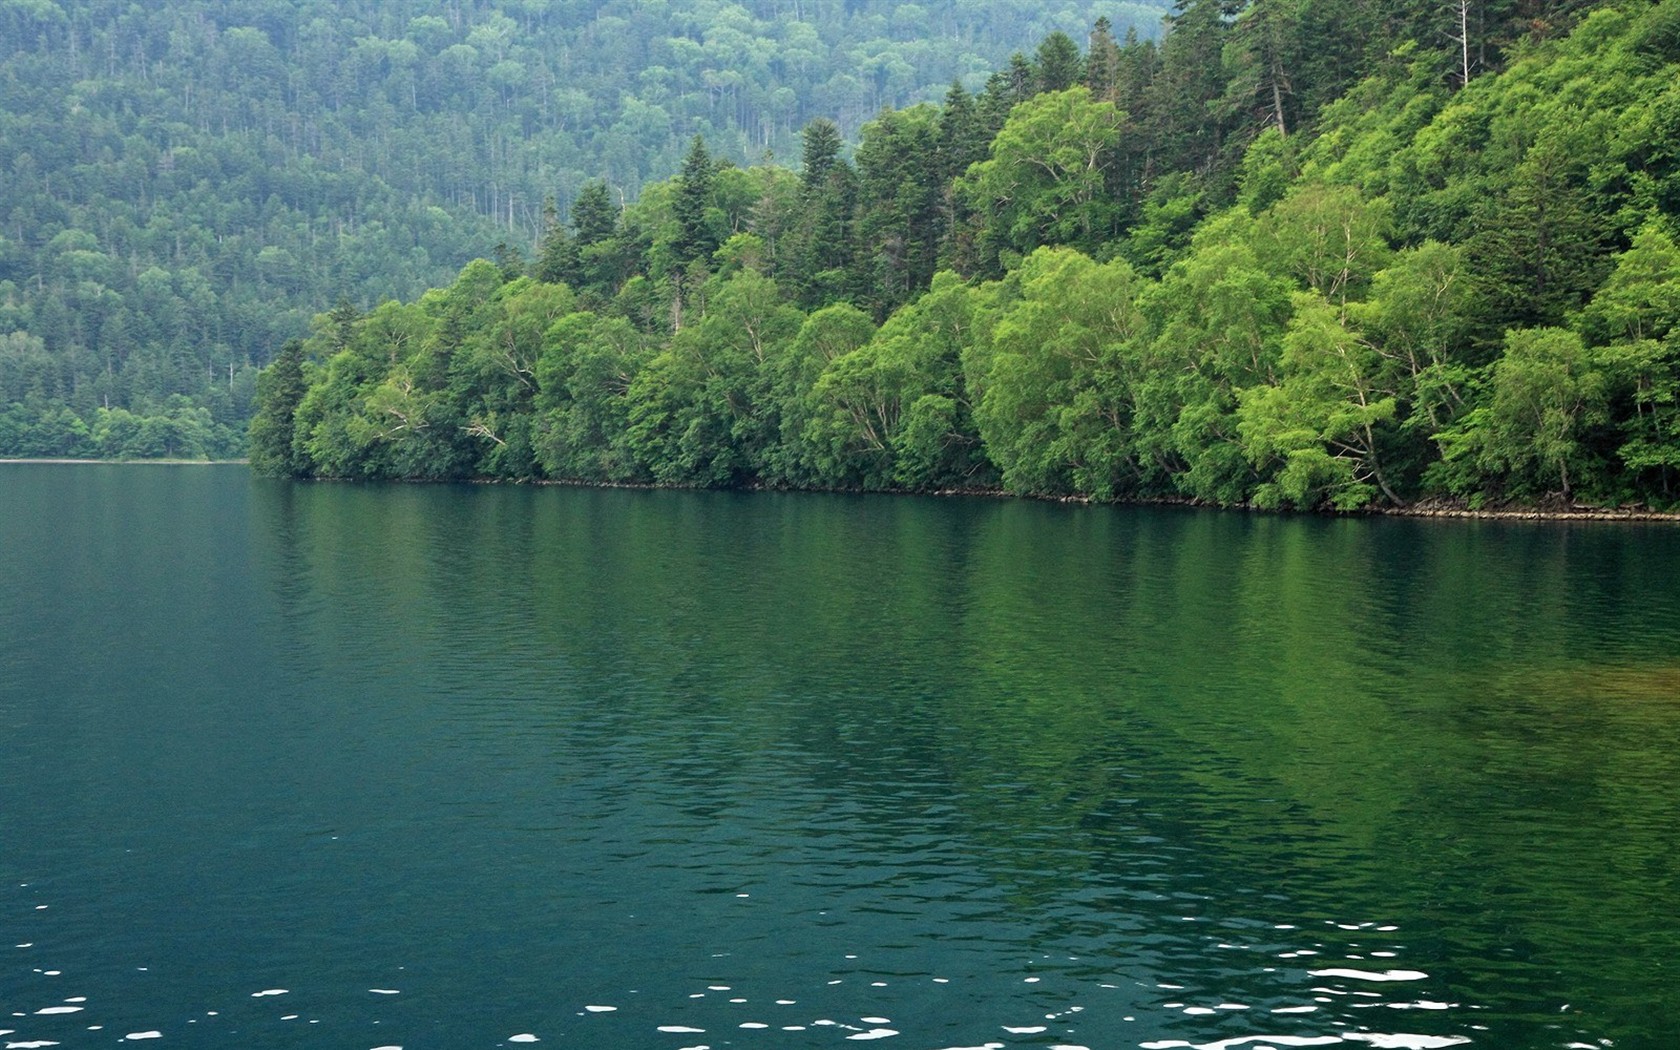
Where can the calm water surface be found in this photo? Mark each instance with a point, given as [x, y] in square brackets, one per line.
[450, 767]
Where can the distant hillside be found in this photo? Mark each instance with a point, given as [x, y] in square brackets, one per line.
[183, 185]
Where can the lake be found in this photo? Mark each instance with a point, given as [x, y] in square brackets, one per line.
[322, 765]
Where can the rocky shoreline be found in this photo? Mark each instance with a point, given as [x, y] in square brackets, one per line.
[1548, 512]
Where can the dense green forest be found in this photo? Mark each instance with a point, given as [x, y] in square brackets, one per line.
[1296, 254]
[184, 185]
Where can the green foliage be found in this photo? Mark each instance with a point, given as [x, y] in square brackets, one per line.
[187, 184]
[1044, 180]
[1531, 438]
[280, 389]
[893, 411]
[1318, 432]
[696, 238]
[901, 194]
[1635, 320]
[1164, 280]
[800, 456]
[1057, 65]
[584, 376]
[1056, 413]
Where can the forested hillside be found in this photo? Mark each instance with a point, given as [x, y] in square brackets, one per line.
[1298, 254]
[183, 185]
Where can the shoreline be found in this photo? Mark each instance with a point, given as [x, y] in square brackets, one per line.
[1422, 510]
[1572, 513]
[65, 460]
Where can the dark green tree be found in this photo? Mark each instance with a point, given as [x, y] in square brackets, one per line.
[594, 216]
[1004, 90]
[1056, 64]
[280, 389]
[900, 195]
[1185, 131]
[824, 244]
[558, 260]
[1102, 62]
[696, 240]
[821, 144]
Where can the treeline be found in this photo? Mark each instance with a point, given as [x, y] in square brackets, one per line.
[1424, 286]
[186, 184]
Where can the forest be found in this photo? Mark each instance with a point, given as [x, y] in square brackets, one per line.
[184, 185]
[1293, 255]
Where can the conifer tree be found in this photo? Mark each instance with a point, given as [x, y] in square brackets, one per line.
[1056, 66]
[695, 238]
[821, 149]
[557, 254]
[594, 218]
[1102, 62]
[280, 389]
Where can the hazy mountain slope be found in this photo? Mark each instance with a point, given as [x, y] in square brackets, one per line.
[185, 184]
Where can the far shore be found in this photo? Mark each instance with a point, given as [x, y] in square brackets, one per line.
[129, 462]
[1422, 509]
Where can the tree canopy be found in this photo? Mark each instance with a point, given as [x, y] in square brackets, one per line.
[187, 184]
[1346, 277]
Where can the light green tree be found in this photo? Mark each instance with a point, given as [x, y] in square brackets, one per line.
[1057, 408]
[582, 407]
[1318, 434]
[1546, 397]
[1635, 320]
[1044, 180]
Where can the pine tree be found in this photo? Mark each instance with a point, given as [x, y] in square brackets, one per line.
[1186, 134]
[695, 239]
[1102, 63]
[594, 218]
[962, 141]
[821, 142]
[1056, 66]
[341, 323]
[557, 255]
[1004, 90]
[280, 389]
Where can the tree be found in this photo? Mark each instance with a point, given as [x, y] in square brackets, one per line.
[1218, 317]
[1056, 65]
[1102, 62]
[1635, 319]
[1005, 90]
[900, 194]
[701, 411]
[594, 216]
[1330, 238]
[895, 410]
[821, 151]
[1531, 437]
[1418, 316]
[1043, 183]
[826, 335]
[1319, 432]
[587, 367]
[558, 260]
[280, 389]
[962, 140]
[1541, 247]
[695, 240]
[1264, 48]
[1056, 411]
[823, 246]
[1185, 132]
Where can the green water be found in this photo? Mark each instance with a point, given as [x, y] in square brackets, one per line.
[440, 766]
